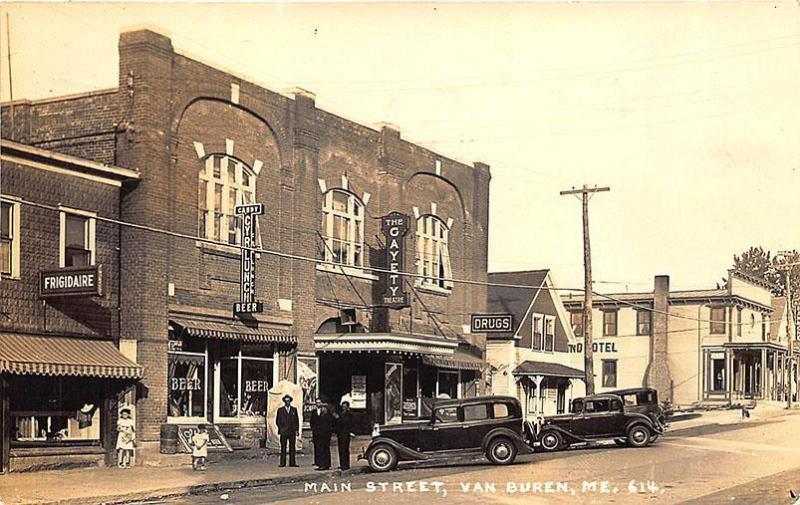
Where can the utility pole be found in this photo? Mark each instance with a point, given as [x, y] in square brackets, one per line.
[588, 353]
[791, 331]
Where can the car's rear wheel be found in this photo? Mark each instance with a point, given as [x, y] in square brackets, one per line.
[501, 451]
[551, 441]
[382, 458]
[639, 436]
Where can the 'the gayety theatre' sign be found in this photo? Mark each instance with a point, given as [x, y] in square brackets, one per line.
[394, 227]
[72, 281]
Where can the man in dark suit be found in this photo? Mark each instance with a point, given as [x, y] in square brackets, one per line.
[321, 428]
[344, 428]
[288, 425]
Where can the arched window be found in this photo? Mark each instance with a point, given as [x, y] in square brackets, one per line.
[223, 183]
[342, 228]
[433, 255]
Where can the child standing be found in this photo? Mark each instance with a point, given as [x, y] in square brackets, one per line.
[126, 435]
[200, 448]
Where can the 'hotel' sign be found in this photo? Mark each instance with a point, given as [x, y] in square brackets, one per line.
[72, 281]
[394, 227]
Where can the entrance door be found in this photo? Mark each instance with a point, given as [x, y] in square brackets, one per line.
[393, 393]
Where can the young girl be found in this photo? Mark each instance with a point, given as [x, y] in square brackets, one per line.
[126, 434]
[200, 448]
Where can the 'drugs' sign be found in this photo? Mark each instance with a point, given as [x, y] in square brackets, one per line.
[394, 228]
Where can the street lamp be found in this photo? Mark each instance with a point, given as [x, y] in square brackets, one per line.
[791, 330]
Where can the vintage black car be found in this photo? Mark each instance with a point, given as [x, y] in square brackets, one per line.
[489, 425]
[596, 417]
[643, 401]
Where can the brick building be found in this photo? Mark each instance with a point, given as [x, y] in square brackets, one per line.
[61, 369]
[204, 141]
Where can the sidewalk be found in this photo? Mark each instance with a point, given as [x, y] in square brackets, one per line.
[697, 418]
[112, 485]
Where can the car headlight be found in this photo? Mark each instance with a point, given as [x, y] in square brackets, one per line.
[376, 430]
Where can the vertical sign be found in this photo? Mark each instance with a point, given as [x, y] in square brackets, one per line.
[247, 303]
[394, 227]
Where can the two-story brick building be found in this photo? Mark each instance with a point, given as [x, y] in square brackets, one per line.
[204, 141]
[63, 363]
[721, 345]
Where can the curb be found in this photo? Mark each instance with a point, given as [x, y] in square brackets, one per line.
[174, 492]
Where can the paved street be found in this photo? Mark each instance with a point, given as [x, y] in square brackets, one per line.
[754, 462]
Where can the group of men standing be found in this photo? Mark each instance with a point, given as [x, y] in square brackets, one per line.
[324, 423]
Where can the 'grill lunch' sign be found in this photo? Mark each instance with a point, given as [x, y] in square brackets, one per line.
[247, 303]
[394, 227]
[72, 281]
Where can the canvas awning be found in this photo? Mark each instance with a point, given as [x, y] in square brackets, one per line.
[460, 360]
[234, 330]
[64, 356]
[546, 369]
[385, 342]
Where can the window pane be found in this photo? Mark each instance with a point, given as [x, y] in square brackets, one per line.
[229, 387]
[217, 162]
[256, 382]
[446, 415]
[340, 201]
[475, 412]
[5, 220]
[75, 234]
[500, 410]
[5, 256]
[186, 385]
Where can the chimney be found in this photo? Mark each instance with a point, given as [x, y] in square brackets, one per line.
[658, 375]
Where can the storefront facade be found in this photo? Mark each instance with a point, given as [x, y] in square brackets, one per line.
[202, 142]
[534, 361]
[63, 367]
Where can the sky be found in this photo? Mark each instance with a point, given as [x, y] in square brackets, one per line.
[690, 112]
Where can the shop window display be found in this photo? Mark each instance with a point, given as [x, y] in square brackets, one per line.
[186, 378]
[246, 376]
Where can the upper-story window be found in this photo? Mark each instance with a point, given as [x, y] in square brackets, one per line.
[433, 254]
[549, 333]
[610, 323]
[537, 332]
[343, 228]
[224, 182]
[738, 321]
[9, 239]
[717, 326]
[644, 322]
[77, 247]
[576, 320]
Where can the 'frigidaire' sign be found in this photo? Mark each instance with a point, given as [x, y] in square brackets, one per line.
[72, 281]
[394, 227]
[491, 323]
[247, 303]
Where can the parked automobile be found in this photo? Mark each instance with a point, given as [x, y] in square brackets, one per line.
[489, 425]
[593, 418]
[643, 401]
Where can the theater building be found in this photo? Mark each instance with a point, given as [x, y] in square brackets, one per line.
[715, 346]
[202, 142]
[64, 365]
[533, 361]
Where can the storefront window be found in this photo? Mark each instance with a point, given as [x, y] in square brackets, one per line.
[186, 377]
[246, 374]
[448, 384]
[54, 411]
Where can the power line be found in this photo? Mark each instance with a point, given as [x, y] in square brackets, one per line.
[375, 269]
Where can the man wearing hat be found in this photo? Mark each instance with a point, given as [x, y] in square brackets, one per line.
[321, 428]
[288, 425]
[344, 430]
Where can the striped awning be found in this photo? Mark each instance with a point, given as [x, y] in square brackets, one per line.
[460, 360]
[64, 356]
[234, 330]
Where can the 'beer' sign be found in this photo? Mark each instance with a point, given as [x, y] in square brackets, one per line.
[247, 303]
[394, 228]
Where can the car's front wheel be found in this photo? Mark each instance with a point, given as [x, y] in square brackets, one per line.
[551, 441]
[382, 458]
[501, 451]
[639, 436]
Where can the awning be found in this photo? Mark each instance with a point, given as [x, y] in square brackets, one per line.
[64, 356]
[547, 370]
[384, 342]
[460, 360]
[234, 330]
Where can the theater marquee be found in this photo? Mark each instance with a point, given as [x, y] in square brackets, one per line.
[72, 281]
